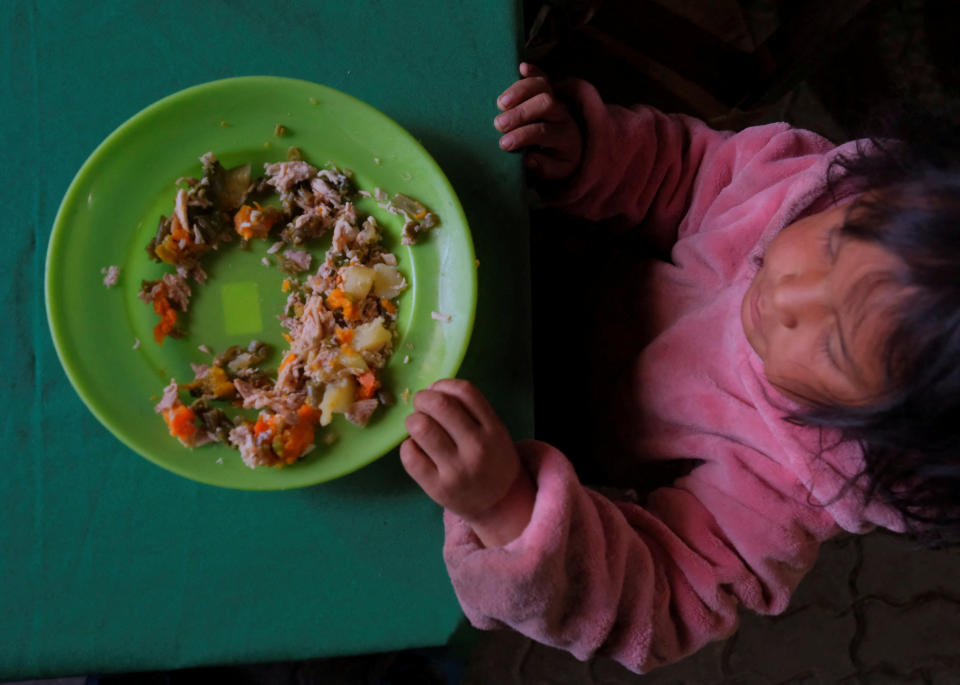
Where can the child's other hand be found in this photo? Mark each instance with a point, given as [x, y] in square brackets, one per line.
[462, 456]
[533, 118]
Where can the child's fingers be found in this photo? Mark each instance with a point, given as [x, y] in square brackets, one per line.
[541, 107]
[430, 436]
[418, 464]
[528, 70]
[448, 411]
[547, 167]
[522, 90]
[526, 136]
[470, 397]
[539, 134]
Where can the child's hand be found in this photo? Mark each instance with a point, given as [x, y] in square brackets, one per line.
[462, 456]
[533, 118]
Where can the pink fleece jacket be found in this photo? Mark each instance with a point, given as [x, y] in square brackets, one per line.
[649, 585]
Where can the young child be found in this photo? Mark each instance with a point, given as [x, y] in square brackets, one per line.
[806, 350]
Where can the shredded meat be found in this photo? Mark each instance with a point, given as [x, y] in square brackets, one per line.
[299, 257]
[111, 275]
[170, 397]
[254, 452]
[360, 412]
[285, 175]
[178, 292]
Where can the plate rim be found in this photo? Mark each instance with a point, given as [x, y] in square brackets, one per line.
[70, 198]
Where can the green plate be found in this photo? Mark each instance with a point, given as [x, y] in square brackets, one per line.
[112, 208]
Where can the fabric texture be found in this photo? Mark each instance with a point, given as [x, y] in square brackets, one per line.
[111, 564]
[647, 585]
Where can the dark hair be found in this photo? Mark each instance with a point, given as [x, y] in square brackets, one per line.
[908, 178]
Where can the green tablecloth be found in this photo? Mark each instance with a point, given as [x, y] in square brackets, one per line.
[108, 563]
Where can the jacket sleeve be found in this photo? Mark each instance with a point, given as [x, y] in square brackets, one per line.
[648, 585]
[667, 171]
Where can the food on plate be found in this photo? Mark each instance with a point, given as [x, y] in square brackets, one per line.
[111, 275]
[340, 317]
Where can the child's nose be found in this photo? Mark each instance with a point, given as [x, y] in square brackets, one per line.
[798, 298]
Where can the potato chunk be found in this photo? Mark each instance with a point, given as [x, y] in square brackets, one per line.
[357, 281]
[351, 359]
[370, 337]
[337, 398]
[388, 281]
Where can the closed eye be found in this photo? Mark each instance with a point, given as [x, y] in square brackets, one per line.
[830, 243]
[828, 352]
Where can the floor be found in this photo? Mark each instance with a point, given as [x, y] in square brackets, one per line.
[875, 609]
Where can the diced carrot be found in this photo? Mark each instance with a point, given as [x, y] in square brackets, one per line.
[338, 300]
[299, 436]
[308, 413]
[215, 381]
[170, 250]
[344, 335]
[221, 384]
[179, 232]
[265, 422]
[241, 222]
[368, 385]
[286, 336]
[289, 358]
[254, 222]
[388, 306]
[180, 420]
[168, 317]
[285, 286]
[260, 426]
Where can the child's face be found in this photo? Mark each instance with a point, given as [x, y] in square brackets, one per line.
[816, 317]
